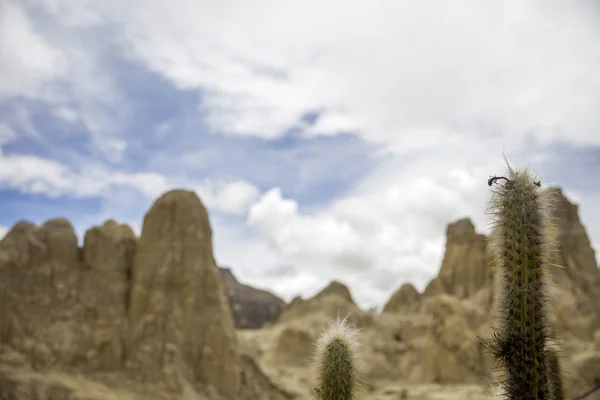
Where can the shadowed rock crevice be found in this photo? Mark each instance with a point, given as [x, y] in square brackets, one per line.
[251, 308]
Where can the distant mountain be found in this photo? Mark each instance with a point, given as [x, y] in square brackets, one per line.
[251, 307]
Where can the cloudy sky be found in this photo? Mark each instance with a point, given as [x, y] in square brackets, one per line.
[329, 139]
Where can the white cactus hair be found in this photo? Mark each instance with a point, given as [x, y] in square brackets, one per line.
[340, 329]
[496, 392]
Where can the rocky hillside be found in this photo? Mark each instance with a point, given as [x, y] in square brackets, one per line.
[149, 318]
[121, 318]
[465, 271]
[423, 340]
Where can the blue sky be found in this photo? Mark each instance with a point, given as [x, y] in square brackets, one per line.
[329, 145]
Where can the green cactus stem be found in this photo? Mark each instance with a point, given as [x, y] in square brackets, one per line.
[520, 245]
[337, 359]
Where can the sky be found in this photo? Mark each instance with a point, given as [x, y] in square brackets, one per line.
[328, 140]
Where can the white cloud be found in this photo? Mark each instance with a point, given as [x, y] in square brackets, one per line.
[306, 239]
[32, 174]
[363, 237]
[28, 60]
[54, 63]
[72, 15]
[255, 263]
[3, 231]
[230, 197]
[6, 133]
[415, 75]
[18, 118]
[391, 228]
[66, 114]
[459, 84]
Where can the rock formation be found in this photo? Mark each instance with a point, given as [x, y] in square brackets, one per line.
[577, 268]
[50, 308]
[332, 300]
[404, 299]
[178, 314]
[336, 288]
[251, 307]
[432, 338]
[154, 318]
[465, 267]
[466, 274]
[145, 317]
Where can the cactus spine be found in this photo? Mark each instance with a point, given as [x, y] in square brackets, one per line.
[520, 243]
[337, 359]
[555, 375]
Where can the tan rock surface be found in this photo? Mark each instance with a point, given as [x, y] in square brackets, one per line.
[291, 345]
[295, 301]
[452, 341]
[585, 373]
[335, 299]
[404, 299]
[338, 289]
[179, 317]
[580, 275]
[62, 305]
[27, 384]
[465, 266]
[108, 252]
[44, 309]
[118, 318]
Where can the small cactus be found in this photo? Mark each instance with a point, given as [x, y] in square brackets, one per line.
[337, 360]
[520, 245]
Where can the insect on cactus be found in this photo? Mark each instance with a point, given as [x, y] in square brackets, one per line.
[520, 245]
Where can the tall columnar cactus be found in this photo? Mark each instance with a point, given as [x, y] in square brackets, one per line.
[337, 360]
[520, 244]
